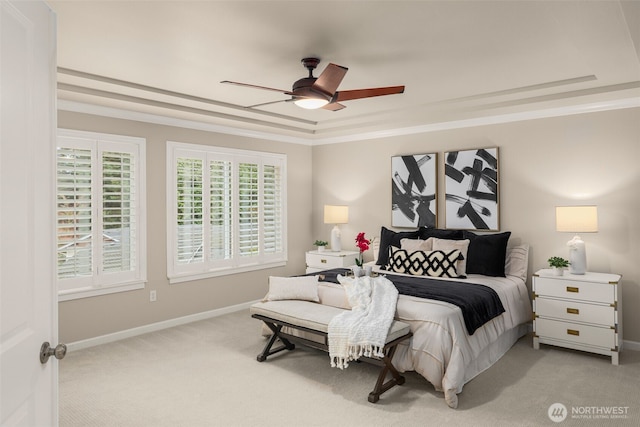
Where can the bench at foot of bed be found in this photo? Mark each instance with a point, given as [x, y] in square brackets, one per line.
[314, 318]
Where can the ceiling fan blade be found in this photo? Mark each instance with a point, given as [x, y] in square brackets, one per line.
[269, 103]
[330, 79]
[346, 95]
[286, 92]
[333, 106]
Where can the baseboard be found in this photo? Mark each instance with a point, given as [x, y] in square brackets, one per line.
[631, 345]
[128, 333]
[105, 339]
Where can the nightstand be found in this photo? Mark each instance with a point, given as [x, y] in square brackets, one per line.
[581, 312]
[325, 260]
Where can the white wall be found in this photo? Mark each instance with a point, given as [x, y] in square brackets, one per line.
[582, 159]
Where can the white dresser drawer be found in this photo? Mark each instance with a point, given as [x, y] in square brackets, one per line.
[577, 290]
[327, 259]
[573, 311]
[604, 337]
[318, 260]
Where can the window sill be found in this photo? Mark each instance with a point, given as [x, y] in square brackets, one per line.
[94, 291]
[187, 277]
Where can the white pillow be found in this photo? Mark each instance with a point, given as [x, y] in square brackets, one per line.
[413, 245]
[517, 261]
[424, 263]
[298, 288]
[448, 245]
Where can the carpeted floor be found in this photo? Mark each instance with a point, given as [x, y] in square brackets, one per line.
[206, 374]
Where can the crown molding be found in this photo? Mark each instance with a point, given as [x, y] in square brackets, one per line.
[120, 113]
[489, 120]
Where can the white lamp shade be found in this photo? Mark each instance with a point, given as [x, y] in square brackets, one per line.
[336, 214]
[577, 219]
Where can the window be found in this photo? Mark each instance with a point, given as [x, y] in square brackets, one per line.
[100, 229]
[226, 211]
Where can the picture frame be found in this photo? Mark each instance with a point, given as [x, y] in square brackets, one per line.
[414, 190]
[472, 189]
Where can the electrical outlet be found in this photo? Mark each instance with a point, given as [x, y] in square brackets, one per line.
[152, 296]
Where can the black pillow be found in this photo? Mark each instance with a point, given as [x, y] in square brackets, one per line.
[392, 238]
[487, 253]
[439, 233]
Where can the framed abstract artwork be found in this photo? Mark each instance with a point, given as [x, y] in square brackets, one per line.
[413, 190]
[471, 189]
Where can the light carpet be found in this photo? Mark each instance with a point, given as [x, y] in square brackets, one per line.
[206, 374]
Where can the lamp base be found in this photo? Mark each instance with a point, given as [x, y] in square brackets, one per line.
[336, 244]
[577, 256]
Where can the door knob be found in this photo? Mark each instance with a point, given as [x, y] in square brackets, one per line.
[46, 351]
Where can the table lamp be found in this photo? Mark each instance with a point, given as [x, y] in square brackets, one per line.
[577, 219]
[336, 215]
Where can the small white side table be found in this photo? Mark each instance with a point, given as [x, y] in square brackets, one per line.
[325, 260]
[578, 311]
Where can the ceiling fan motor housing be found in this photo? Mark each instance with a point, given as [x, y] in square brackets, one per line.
[303, 88]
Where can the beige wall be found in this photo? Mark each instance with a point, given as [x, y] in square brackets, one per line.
[582, 159]
[589, 158]
[91, 317]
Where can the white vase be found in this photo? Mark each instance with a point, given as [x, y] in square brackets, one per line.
[368, 270]
[320, 248]
[557, 271]
[357, 271]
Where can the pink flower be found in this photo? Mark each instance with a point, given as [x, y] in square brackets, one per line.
[363, 244]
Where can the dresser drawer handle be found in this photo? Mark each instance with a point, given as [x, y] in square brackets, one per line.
[323, 261]
[573, 332]
[573, 289]
[573, 311]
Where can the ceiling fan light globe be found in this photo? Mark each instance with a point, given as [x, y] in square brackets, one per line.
[311, 103]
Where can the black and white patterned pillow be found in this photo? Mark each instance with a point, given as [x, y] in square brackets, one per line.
[423, 263]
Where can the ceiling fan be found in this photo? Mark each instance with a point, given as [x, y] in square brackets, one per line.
[321, 92]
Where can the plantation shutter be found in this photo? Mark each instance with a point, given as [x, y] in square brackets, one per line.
[227, 211]
[189, 210]
[74, 212]
[221, 189]
[272, 209]
[118, 212]
[99, 232]
[248, 209]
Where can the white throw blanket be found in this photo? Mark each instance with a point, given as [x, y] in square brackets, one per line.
[363, 330]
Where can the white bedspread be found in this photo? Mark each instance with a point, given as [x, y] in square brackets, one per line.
[441, 350]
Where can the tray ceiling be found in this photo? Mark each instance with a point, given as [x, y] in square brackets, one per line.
[459, 60]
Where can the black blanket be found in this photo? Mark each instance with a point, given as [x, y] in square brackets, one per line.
[479, 303]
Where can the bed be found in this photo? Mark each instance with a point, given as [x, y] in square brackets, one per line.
[442, 350]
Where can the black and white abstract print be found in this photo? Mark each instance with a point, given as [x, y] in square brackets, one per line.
[471, 189]
[413, 184]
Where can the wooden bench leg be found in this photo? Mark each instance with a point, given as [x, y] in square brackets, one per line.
[268, 351]
[381, 385]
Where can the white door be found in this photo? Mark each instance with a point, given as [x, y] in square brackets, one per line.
[28, 297]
